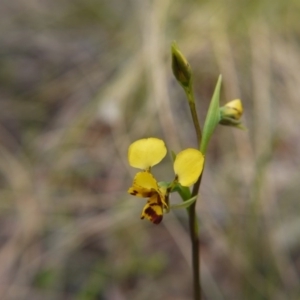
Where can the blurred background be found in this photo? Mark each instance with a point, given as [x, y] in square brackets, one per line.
[81, 80]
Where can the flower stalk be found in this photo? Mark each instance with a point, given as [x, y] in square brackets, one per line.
[182, 67]
[194, 235]
[188, 164]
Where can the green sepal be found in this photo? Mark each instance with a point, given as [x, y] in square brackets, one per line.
[229, 121]
[184, 204]
[233, 123]
[212, 117]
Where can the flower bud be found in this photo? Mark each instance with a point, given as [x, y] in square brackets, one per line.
[231, 113]
[180, 66]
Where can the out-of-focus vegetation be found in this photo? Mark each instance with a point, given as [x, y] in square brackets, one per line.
[79, 81]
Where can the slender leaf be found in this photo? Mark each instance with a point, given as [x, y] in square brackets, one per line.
[212, 117]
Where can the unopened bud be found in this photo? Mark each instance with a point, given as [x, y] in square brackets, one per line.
[231, 113]
[180, 66]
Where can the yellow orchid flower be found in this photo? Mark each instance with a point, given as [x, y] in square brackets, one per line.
[146, 153]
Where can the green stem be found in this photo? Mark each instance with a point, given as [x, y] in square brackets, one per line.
[194, 235]
[196, 121]
[193, 223]
[191, 99]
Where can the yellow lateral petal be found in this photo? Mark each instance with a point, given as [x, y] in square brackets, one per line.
[153, 210]
[188, 166]
[145, 153]
[144, 185]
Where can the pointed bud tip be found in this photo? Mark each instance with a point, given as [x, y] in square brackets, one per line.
[180, 66]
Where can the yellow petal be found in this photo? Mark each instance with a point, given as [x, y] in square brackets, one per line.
[144, 185]
[145, 153]
[188, 166]
[153, 210]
